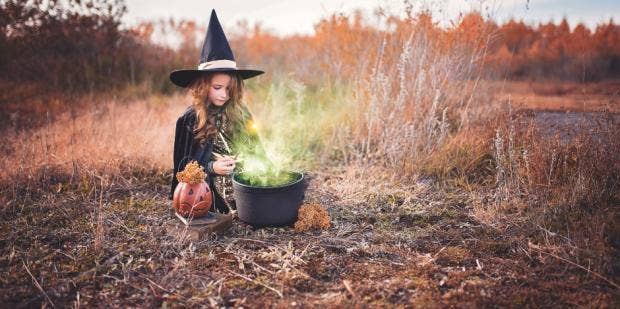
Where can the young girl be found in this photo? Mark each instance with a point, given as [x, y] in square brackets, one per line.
[210, 130]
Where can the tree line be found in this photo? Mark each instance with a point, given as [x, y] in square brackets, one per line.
[81, 45]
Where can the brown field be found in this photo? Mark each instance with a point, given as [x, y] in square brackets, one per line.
[462, 231]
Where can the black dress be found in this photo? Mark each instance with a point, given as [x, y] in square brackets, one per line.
[187, 149]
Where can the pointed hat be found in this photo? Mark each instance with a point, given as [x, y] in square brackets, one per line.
[216, 56]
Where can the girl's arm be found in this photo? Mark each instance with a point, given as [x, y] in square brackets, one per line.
[183, 142]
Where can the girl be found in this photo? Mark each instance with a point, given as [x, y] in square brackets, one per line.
[210, 130]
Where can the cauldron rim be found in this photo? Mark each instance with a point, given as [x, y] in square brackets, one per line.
[285, 186]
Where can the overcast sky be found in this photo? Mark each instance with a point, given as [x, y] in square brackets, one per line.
[299, 16]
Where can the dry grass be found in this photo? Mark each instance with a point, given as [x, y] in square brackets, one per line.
[562, 188]
[395, 238]
[100, 141]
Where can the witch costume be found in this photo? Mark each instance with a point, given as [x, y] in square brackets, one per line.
[216, 56]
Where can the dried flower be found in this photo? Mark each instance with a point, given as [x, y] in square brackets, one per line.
[193, 173]
[312, 216]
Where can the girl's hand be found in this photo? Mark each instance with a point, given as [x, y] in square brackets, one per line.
[224, 165]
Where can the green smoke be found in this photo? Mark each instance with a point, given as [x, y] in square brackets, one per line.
[291, 121]
[257, 168]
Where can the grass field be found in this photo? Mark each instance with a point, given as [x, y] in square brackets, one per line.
[497, 213]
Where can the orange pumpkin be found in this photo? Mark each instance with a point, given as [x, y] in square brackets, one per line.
[192, 200]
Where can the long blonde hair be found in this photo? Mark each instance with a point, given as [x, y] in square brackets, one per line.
[205, 127]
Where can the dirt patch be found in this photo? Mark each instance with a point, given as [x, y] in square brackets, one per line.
[567, 125]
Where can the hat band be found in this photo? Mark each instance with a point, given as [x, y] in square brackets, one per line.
[218, 64]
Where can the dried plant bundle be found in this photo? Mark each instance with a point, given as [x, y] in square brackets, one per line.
[192, 173]
[312, 216]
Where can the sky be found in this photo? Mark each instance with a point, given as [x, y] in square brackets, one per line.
[286, 17]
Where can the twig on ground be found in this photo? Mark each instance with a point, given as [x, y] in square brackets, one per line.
[65, 254]
[160, 287]
[249, 239]
[577, 265]
[36, 283]
[256, 282]
[347, 286]
[120, 224]
[84, 275]
[440, 250]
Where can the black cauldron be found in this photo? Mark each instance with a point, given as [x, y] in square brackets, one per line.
[269, 206]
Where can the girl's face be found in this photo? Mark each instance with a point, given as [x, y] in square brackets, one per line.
[219, 90]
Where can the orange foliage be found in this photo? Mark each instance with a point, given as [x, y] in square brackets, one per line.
[102, 55]
[341, 44]
[554, 51]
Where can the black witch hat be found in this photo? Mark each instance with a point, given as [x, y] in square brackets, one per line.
[216, 56]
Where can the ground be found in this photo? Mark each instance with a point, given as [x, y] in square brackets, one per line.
[414, 246]
[96, 237]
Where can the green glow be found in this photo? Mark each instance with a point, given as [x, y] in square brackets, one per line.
[293, 124]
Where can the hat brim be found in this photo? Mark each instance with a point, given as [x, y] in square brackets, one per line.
[184, 78]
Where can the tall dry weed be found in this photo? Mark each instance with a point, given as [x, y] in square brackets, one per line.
[415, 96]
[563, 188]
